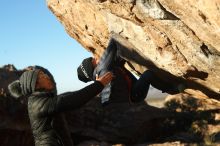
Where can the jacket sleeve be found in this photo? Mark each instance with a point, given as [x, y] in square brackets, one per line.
[110, 57]
[74, 100]
[43, 105]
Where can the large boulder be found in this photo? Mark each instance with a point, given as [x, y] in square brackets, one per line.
[180, 38]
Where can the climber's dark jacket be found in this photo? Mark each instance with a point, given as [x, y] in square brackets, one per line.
[44, 106]
[119, 89]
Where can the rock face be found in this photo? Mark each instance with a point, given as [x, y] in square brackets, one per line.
[177, 39]
[192, 101]
[14, 121]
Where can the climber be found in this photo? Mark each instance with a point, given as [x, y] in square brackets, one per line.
[44, 104]
[124, 87]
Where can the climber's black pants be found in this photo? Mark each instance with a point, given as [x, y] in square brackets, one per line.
[141, 86]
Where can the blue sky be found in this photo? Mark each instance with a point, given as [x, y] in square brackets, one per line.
[31, 35]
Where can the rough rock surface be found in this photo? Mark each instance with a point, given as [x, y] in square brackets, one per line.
[180, 38]
[195, 101]
[14, 123]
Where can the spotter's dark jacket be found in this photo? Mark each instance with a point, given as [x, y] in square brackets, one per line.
[44, 106]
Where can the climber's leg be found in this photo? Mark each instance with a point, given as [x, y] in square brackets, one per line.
[141, 87]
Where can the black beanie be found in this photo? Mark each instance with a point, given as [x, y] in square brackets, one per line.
[85, 70]
[25, 85]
